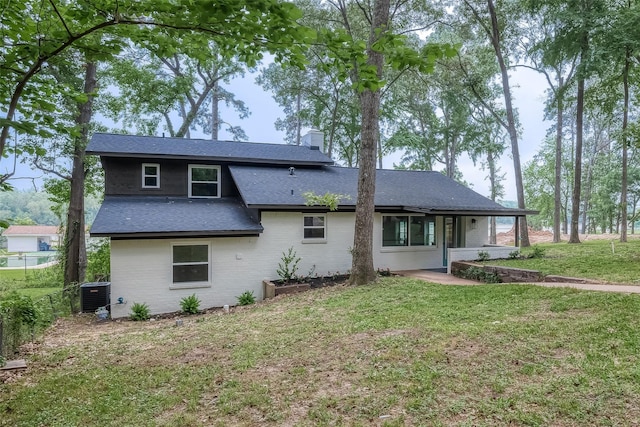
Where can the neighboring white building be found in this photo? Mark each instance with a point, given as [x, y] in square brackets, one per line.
[213, 218]
[32, 238]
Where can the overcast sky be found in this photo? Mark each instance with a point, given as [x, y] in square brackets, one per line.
[528, 88]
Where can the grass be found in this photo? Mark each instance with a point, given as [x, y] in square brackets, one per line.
[13, 274]
[34, 282]
[399, 352]
[604, 260]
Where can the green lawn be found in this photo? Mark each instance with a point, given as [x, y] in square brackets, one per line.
[606, 260]
[12, 274]
[37, 293]
[34, 282]
[400, 352]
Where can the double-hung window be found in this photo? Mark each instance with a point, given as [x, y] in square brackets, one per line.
[204, 181]
[190, 265]
[314, 227]
[150, 175]
[408, 230]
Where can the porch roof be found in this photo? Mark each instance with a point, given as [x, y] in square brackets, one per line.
[471, 211]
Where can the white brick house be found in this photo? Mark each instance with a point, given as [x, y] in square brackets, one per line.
[214, 217]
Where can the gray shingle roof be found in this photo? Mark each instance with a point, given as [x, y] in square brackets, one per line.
[421, 191]
[116, 145]
[127, 216]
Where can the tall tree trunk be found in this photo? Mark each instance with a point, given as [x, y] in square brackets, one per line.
[379, 151]
[76, 253]
[362, 270]
[183, 131]
[511, 122]
[625, 121]
[558, 170]
[574, 236]
[298, 118]
[633, 215]
[491, 162]
[215, 111]
[332, 132]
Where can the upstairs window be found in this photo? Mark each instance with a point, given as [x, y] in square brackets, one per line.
[314, 227]
[150, 175]
[204, 181]
[408, 230]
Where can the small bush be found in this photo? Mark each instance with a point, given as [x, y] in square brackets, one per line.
[483, 256]
[537, 252]
[384, 273]
[246, 298]
[140, 311]
[288, 266]
[19, 315]
[19, 308]
[190, 304]
[477, 273]
[514, 255]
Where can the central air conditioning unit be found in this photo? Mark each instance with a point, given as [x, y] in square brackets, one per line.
[94, 295]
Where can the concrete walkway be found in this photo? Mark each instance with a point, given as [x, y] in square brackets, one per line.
[447, 279]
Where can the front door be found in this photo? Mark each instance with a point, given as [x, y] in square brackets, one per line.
[449, 238]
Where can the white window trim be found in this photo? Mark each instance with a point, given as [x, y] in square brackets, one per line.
[408, 248]
[218, 182]
[190, 285]
[324, 227]
[157, 175]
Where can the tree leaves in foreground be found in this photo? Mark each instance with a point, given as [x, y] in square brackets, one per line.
[36, 33]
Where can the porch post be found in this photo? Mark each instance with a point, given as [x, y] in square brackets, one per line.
[516, 234]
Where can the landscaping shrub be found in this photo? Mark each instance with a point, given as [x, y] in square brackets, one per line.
[479, 274]
[288, 265]
[190, 304]
[140, 311]
[537, 252]
[483, 256]
[246, 298]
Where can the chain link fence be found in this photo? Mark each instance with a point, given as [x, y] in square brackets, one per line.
[28, 260]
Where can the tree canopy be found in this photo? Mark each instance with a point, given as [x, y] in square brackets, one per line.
[35, 34]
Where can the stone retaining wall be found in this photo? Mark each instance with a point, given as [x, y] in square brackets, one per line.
[515, 275]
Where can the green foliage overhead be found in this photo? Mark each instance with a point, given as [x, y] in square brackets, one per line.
[349, 54]
[150, 87]
[36, 34]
